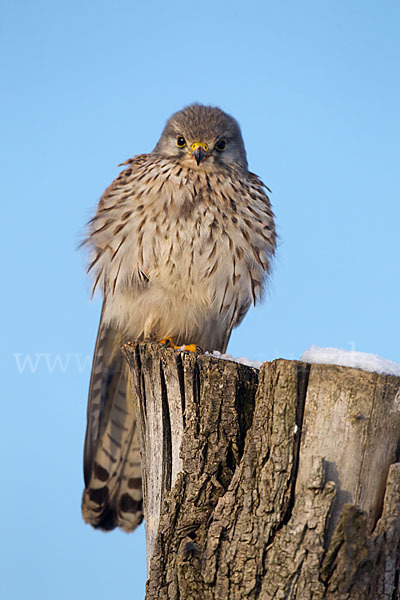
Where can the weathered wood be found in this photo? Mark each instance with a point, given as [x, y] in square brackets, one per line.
[171, 389]
[290, 492]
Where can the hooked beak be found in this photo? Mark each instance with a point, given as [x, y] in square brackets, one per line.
[199, 152]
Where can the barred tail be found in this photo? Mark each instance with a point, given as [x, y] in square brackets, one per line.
[113, 479]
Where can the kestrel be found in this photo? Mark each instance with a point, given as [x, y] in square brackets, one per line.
[181, 246]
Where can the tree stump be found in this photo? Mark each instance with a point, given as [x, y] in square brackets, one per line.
[283, 483]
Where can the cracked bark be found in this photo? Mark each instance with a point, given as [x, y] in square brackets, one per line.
[273, 485]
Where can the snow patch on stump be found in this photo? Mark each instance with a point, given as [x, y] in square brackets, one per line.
[351, 358]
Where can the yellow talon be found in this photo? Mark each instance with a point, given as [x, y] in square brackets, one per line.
[191, 348]
[169, 343]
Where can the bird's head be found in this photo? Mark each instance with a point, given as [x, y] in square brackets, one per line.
[204, 138]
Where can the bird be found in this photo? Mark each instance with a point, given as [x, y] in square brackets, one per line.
[181, 246]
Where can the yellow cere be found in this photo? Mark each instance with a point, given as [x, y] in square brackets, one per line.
[197, 144]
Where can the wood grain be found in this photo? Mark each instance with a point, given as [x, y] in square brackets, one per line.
[278, 484]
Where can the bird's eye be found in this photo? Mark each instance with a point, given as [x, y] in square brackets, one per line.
[180, 141]
[220, 146]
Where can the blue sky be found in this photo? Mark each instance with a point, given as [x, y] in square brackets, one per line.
[86, 85]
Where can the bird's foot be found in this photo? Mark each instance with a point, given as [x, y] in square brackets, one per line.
[169, 343]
